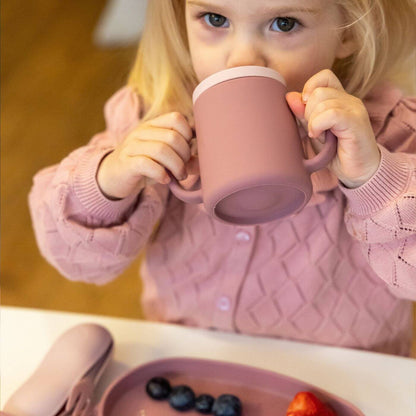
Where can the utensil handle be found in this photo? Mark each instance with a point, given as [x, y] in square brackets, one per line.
[75, 357]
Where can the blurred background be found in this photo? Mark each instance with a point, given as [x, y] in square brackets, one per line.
[60, 62]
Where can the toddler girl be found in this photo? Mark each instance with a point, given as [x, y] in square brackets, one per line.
[343, 270]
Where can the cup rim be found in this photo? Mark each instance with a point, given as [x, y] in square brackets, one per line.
[233, 73]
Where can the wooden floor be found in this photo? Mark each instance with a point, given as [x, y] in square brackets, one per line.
[54, 85]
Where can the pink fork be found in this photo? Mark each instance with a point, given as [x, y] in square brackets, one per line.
[80, 400]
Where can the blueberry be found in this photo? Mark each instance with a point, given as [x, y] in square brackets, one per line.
[158, 388]
[203, 403]
[182, 398]
[227, 405]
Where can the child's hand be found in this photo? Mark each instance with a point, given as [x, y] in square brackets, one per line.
[145, 154]
[324, 105]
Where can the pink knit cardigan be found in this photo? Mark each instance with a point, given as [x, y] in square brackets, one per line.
[341, 272]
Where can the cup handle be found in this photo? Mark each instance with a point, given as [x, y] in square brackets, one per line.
[190, 196]
[327, 153]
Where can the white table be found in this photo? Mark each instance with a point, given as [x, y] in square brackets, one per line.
[378, 384]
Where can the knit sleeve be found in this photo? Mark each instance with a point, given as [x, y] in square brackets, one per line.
[86, 236]
[381, 214]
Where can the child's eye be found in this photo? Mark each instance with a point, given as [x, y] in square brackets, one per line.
[284, 24]
[215, 20]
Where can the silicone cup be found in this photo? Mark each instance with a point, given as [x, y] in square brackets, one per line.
[311, 165]
[248, 112]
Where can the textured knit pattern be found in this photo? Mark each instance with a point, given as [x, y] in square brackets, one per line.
[341, 272]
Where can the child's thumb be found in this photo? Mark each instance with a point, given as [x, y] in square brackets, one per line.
[294, 100]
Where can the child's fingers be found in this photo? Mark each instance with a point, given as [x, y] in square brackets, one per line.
[160, 153]
[175, 121]
[294, 100]
[152, 170]
[192, 166]
[325, 78]
[332, 118]
[194, 147]
[322, 97]
[169, 137]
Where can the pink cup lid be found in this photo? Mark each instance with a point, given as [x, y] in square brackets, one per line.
[236, 72]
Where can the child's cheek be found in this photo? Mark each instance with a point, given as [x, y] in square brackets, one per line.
[301, 64]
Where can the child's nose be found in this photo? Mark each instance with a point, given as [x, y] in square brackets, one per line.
[245, 53]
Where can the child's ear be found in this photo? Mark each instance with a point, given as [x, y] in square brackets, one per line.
[347, 45]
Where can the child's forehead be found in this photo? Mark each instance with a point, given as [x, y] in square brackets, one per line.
[267, 3]
[263, 5]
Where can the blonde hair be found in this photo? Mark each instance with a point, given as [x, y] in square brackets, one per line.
[384, 32]
[162, 73]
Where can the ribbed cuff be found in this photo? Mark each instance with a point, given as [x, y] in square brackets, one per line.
[389, 181]
[87, 191]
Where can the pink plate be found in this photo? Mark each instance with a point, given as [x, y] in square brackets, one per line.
[262, 393]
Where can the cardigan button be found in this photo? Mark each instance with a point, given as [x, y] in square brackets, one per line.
[243, 236]
[224, 303]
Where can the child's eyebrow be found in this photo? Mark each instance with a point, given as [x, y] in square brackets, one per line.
[273, 10]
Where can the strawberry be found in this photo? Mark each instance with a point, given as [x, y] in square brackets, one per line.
[307, 404]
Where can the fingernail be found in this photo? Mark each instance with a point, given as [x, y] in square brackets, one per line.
[305, 97]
